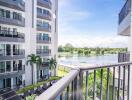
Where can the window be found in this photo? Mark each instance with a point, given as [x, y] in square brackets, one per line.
[2, 49]
[20, 65]
[2, 13]
[7, 14]
[2, 67]
[39, 10]
[8, 66]
[17, 16]
[45, 37]
[14, 66]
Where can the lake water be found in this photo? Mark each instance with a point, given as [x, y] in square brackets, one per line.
[77, 60]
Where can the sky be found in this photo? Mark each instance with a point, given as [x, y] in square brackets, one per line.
[90, 23]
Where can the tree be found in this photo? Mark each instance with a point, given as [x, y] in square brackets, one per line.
[33, 59]
[60, 48]
[80, 51]
[52, 65]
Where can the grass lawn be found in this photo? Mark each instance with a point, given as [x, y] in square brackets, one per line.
[62, 73]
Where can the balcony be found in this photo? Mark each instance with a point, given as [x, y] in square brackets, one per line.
[124, 57]
[43, 3]
[14, 4]
[10, 21]
[43, 41]
[20, 70]
[43, 53]
[125, 11]
[12, 54]
[10, 36]
[43, 16]
[99, 82]
[42, 28]
[125, 19]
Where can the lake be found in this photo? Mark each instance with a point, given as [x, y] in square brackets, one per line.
[79, 60]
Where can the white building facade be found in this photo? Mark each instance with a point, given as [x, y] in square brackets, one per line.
[26, 27]
[125, 29]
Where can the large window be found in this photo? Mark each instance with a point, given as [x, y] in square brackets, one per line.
[14, 66]
[2, 49]
[17, 16]
[39, 10]
[2, 13]
[2, 67]
[7, 14]
[8, 66]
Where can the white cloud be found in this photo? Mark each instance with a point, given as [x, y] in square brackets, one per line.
[69, 13]
[94, 41]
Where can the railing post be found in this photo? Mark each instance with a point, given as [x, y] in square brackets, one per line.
[75, 88]
[81, 85]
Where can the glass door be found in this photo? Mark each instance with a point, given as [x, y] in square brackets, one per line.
[8, 49]
[7, 82]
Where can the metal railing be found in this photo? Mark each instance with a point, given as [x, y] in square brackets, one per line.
[100, 82]
[18, 68]
[43, 40]
[11, 21]
[5, 33]
[43, 28]
[42, 51]
[4, 52]
[44, 3]
[125, 10]
[44, 16]
[15, 4]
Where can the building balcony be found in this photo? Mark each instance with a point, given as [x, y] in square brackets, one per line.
[12, 54]
[43, 16]
[95, 82]
[43, 53]
[125, 19]
[10, 36]
[43, 3]
[123, 57]
[42, 28]
[45, 41]
[10, 21]
[14, 4]
[20, 70]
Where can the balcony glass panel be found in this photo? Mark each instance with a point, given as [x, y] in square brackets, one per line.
[2, 67]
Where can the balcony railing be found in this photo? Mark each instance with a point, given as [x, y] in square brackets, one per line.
[19, 71]
[42, 52]
[11, 21]
[11, 36]
[12, 54]
[124, 57]
[104, 82]
[42, 28]
[15, 4]
[46, 41]
[43, 16]
[125, 11]
[44, 3]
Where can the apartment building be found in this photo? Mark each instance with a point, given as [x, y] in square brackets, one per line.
[26, 27]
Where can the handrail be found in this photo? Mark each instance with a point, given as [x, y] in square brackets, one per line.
[92, 67]
[58, 87]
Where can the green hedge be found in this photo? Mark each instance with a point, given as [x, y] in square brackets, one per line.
[31, 87]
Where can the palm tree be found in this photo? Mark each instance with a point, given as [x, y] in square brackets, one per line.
[33, 59]
[52, 65]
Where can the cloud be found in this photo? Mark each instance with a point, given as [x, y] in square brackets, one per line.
[69, 15]
[101, 41]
